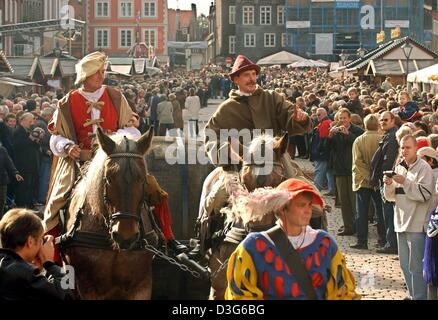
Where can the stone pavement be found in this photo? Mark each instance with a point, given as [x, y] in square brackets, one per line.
[378, 276]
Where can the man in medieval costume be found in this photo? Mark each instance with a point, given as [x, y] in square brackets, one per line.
[73, 128]
[250, 107]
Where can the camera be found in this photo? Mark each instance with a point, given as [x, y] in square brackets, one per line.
[389, 173]
[337, 129]
[36, 134]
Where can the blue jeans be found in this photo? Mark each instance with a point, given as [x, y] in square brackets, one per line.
[388, 215]
[363, 198]
[44, 177]
[411, 254]
[324, 177]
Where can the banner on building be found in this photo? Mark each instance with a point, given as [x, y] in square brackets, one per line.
[297, 24]
[323, 43]
[139, 65]
[396, 23]
[345, 4]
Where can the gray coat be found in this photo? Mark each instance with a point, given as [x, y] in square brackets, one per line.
[165, 112]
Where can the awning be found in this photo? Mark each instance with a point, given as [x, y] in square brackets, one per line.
[282, 57]
[307, 63]
[423, 75]
[11, 83]
[187, 45]
[122, 69]
[394, 67]
[117, 73]
[18, 83]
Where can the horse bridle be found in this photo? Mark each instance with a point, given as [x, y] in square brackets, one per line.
[121, 215]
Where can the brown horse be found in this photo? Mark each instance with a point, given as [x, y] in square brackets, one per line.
[251, 180]
[109, 202]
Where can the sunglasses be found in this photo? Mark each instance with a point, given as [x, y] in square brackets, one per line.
[384, 120]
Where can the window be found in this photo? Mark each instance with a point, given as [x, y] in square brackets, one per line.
[125, 38]
[102, 9]
[149, 8]
[102, 38]
[126, 9]
[280, 15]
[250, 40]
[248, 15]
[435, 27]
[150, 37]
[286, 40]
[232, 14]
[269, 39]
[232, 44]
[265, 15]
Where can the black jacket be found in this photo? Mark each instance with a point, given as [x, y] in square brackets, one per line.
[27, 152]
[21, 281]
[355, 107]
[7, 168]
[45, 142]
[384, 158]
[341, 151]
[6, 139]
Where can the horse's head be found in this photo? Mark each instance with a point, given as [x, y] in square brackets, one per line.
[255, 175]
[124, 184]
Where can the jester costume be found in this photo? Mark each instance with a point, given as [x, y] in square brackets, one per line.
[257, 271]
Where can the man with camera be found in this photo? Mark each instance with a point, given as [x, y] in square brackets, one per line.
[383, 160]
[411, 187]
[26, 144]
[340, 143]
[25, 252]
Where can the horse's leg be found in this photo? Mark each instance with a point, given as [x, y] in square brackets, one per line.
[219, 283]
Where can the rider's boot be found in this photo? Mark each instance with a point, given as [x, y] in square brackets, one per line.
[176, 246]
[195, 253]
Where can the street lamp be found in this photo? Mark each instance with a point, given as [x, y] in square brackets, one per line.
[407, 50]
[343, 56]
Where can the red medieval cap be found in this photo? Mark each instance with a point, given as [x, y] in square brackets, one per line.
[243, 64]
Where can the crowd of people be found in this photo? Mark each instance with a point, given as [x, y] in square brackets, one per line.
[374, 149]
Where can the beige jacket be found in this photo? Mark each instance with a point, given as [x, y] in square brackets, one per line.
[364, 148]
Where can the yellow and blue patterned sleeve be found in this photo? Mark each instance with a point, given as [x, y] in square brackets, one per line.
[341, 284]
[242, 277]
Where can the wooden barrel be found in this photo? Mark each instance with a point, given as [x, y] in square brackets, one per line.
[181, 180]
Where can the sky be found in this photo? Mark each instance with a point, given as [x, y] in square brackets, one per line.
[202, 6]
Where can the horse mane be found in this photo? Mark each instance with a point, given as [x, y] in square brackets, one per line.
[90, 189]
[253, 206]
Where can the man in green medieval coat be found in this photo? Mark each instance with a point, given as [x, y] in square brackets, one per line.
[250, 107]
